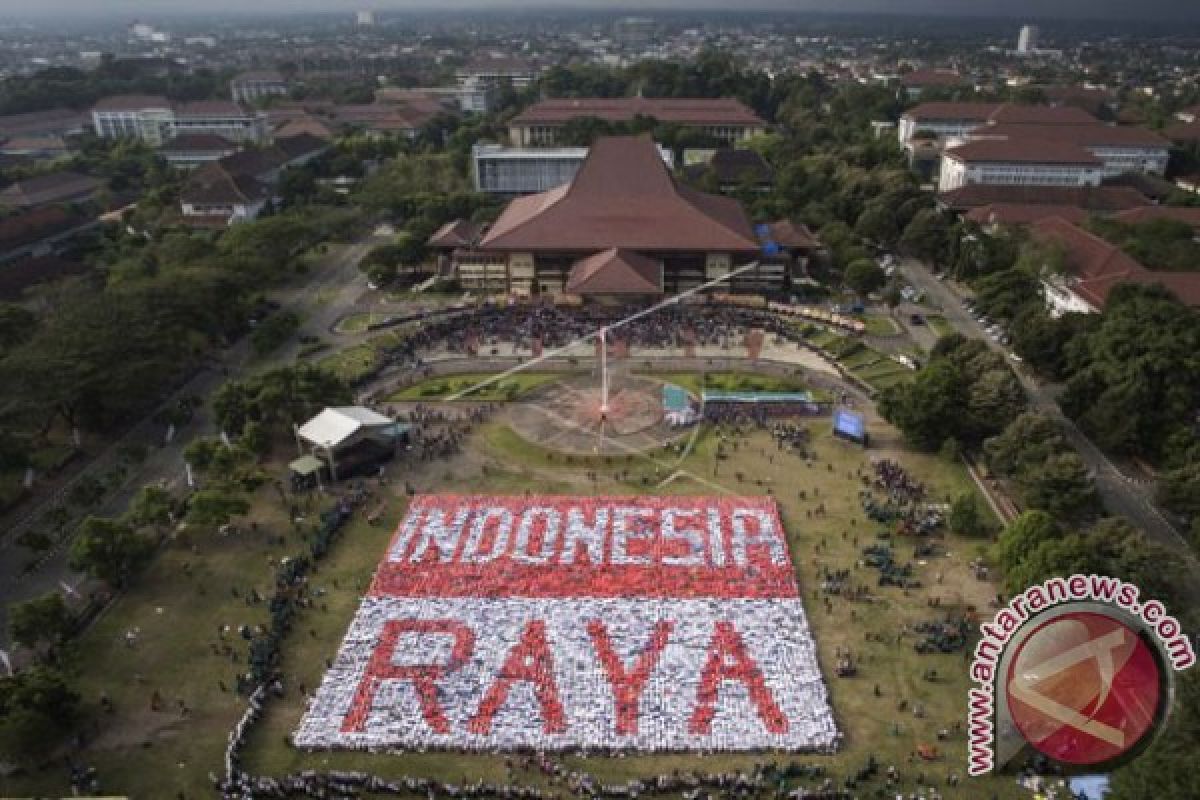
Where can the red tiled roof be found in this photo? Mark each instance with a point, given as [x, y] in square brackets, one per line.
[1094, 135]
[622, 197]
[205, 108]
[1092, 198]
[1024, 213]
[131, 102]
[1096, 266]
[1024, 151]
[931, 77]
[459, 233]
[199, 142]
[683, 110]
[1018, 114]
[1185, 214]
[790, 234]
[615, 271]
[1183, 132]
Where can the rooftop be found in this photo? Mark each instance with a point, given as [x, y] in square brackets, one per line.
[624, 197]
[1023, 151]
[1094, 135]
[932, 77]
[683, 110]
[1092, 198]
[132, 102]
[615, 271]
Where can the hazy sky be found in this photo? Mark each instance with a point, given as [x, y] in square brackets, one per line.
[1135, 9]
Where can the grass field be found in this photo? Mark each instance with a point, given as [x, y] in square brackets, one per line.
[510, 388]
[357, 323]
[939, 325]
[880, 325]
[201, 582]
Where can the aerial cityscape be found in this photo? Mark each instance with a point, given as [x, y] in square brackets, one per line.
[511, 400]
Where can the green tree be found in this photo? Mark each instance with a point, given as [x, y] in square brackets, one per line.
[864, 276]
[1026, 442]
[967, 517]
[877, 224]
[151, 506]
[212, 508]
[110, 550]
[42, 620]
[926, 236]
[1179, 490]
[37, 706]
[926, 409]
[17, 325]
[1022, 536]
[1061, 486]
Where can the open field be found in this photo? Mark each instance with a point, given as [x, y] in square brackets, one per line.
[202, 582]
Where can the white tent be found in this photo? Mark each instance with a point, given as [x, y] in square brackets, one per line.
[341, 427]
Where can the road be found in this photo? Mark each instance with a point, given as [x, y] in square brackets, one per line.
[333, 290]
[1121, 494]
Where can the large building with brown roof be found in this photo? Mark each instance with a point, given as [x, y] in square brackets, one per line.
[623, 200]
[1094, 267]
[1006, 162]
[155, 119]
[723, 118]
[1121, 149]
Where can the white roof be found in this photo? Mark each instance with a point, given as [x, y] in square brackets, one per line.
[335, 425]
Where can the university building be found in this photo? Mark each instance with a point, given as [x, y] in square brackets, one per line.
[622, 226]
[515, 171]
[723, 118]
[156, 120]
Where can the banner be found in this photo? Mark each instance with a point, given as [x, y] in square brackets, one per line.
[552, 622]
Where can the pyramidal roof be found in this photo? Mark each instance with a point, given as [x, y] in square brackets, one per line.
[622, 197]
[615, 271]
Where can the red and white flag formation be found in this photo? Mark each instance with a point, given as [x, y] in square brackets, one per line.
[638, 623]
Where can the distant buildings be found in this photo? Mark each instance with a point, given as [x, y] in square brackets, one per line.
[919, 81]
[515, 171]
[196, 149]
[1027, 40]
[365, 18]
[156, 120]
[725, 119]
[250, 87]
[53, 188]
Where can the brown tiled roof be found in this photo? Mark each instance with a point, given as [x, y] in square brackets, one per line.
[1024, 214]
[131, 102]
[1185, 214]
[682, 110]
[304, 124]
[1094, 135]
[18, 230]
[615, 271]
[931, 77]
[206, 108]
[954, 111]
[791, 234]
[214, 184]
[1024, 151]
[1183, 132]
[622, 197]
[300, 145]
[199, 143]
[54, 187]
[458, 233]
[35, 123]
[1092, 198]
[258, 75]
[1096, 266]
[1018, 114]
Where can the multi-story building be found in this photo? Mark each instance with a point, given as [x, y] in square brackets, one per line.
[250, 87]
[723, 118]
[956, 120]
[1122, 149]
[513, 171]
[493, 72]
[1000, 162]
[623, 226]
[155, 120]
[1027, 41]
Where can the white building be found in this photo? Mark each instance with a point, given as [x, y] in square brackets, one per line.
[250, 87]
[512, 171]
[998, 162]
[944, 120]
[365, 18]
[155, 120]
[1027, 41]
[1122, 149]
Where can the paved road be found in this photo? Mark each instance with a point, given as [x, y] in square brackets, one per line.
[1121, 494]
[334, 289]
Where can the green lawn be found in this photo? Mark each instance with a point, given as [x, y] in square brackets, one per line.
[357, 323]
[509, 388]
[880, 325]
[189, 592]
[353, 362]
[939, 325]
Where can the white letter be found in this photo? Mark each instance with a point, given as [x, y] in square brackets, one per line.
[622, 534]
[765, 534]
[504, 523]
[591, 535]
[525, 530]
[436, 532]
[693, 536]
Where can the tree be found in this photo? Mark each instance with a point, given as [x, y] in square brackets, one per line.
[877, 223]
[1061, 485]
[1026, 442]
[36, 706]
[966, 517]
[1022, 536]
[272, 332]
[17, 324]
[1179, 490]
[994, 399]
[212, 508]
[110, 550]
[926, 236]
[864, 276]
[42, 620]
[152, 506]
[1167, 770]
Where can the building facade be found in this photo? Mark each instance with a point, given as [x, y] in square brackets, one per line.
[725, 119]
[156, 120]
[251, 87]
[993, 163]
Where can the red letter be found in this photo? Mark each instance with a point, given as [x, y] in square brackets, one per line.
[729, 661]
[528, 662]
[424, 677]
[628, 686]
